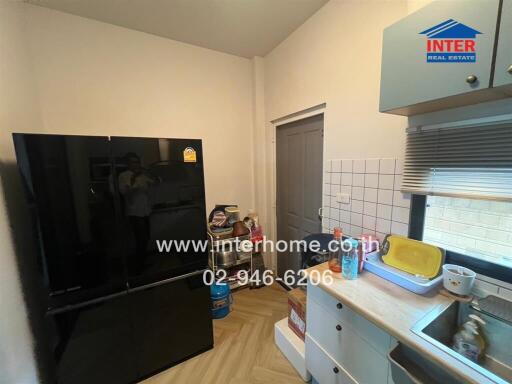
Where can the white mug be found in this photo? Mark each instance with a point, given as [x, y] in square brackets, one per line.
[458, 279]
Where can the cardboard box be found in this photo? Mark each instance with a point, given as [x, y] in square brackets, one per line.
[297, 312]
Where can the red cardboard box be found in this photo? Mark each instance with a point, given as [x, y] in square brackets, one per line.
[297, 312]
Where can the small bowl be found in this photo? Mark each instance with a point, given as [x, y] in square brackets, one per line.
[458, 279]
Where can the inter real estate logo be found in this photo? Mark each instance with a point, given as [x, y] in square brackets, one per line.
[451, 42]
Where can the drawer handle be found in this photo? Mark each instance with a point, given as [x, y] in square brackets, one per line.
[335, 370]
[509, 70]
[471, 79]
[339, 305]
[338, 328]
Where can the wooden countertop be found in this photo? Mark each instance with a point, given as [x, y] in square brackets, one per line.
[396, 310]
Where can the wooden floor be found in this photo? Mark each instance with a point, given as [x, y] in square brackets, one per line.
[244, 349]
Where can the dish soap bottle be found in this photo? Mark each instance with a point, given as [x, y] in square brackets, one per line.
[468, 341]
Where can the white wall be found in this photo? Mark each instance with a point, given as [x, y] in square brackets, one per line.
[334, 58]
[96, 78]
[18, 111]
[414, 5]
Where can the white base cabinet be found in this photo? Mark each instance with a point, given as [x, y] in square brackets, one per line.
[323, 368]
[342, 346]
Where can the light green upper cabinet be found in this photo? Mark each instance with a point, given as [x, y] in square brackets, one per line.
[455, 71]
[503, 69]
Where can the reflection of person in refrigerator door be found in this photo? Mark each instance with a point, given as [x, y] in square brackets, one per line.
[134, 184]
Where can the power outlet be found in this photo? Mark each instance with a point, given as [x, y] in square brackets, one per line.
[343, 198]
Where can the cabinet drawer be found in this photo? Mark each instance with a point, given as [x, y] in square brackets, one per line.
[347, 348]
[323, 368]
[328, 305]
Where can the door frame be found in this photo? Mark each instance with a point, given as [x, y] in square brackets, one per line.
[318, 109]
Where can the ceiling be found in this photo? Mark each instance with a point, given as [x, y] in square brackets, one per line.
[241, 27]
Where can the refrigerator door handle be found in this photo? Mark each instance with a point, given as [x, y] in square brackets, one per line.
[166, 281]
[98, 300]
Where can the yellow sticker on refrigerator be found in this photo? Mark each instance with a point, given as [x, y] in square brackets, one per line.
[189, 155]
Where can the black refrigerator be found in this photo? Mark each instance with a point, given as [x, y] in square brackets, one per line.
[120, 303]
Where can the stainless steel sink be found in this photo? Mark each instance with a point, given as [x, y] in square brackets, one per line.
[439, 327]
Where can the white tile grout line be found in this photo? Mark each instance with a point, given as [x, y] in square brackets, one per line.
[336, 206]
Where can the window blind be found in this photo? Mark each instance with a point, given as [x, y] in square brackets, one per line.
[471, 162]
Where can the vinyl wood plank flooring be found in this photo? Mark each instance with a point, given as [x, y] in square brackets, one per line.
[244, 351]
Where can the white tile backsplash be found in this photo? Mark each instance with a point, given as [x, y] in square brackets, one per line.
[356, 219]
[399, 166]
[386, 181]
[399, 228]
[336, 166]
[355, 229]
[345, 216]
[387, 166]
[357, 206]
[358, 179]
[370, 209]
[370, 194]
[385, 197]
[401, 215]
[346, 178]
[372, 166]
[401, 199]
[357, 193]
[376, 205]
[371, 180]
[359, 166]
[398, 182]
[347, 189]
[369, 223]
[383, 225]
[346, 166]
[384, 211]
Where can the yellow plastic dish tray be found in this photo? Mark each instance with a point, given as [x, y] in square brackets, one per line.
[414, 257]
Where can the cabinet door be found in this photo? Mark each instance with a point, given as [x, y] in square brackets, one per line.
[341, 341]
[324, 369]
[172, 322]
[503, 68]
[162, 198]
[94, 344]
[68, 185]
[430, 54]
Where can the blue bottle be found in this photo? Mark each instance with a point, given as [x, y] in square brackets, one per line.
[350, 259]
[220, 294]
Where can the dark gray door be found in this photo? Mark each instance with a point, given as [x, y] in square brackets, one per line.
[299, 149]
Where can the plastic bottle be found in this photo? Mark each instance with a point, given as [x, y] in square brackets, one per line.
[350, 260]
[469, 341]
[334, 252]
